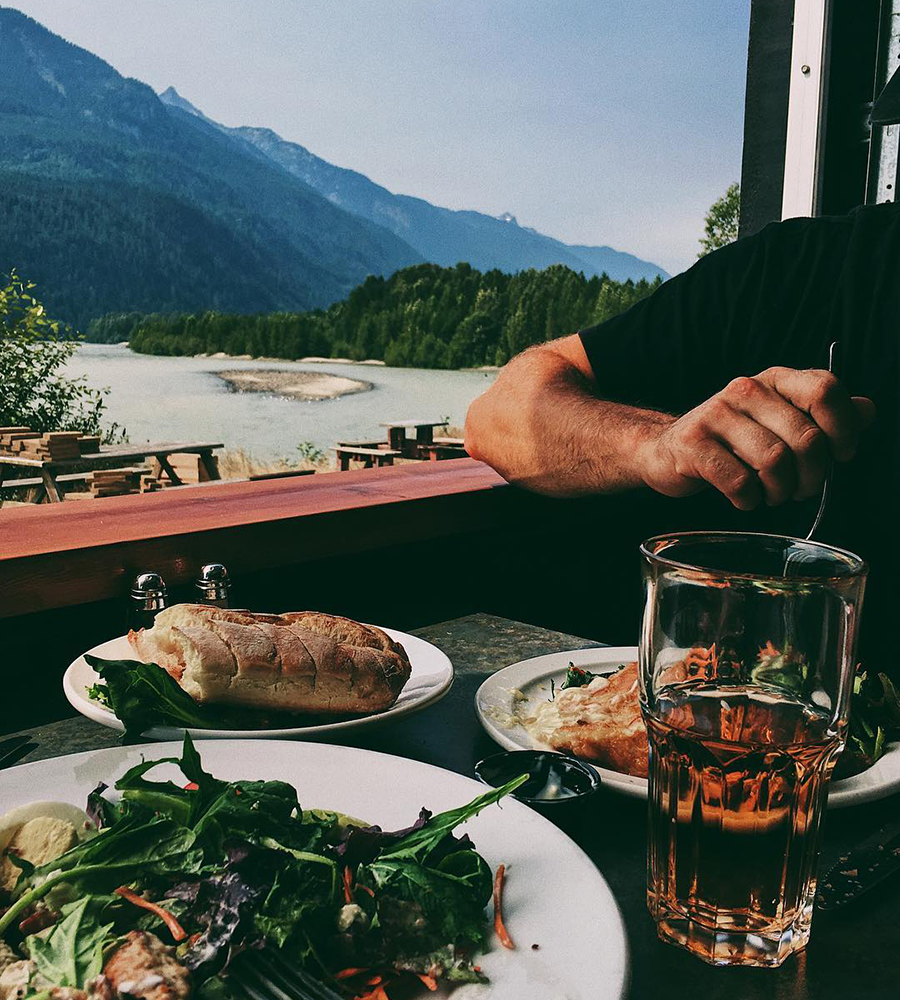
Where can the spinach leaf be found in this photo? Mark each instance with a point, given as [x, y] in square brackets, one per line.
[420, 842]
[143, 695]
[72, 955]
[219, 811]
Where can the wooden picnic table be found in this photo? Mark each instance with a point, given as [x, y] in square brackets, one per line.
[49, 470]
[424, 431]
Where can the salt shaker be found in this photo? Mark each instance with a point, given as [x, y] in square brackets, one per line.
[213, 585]
[148, 598]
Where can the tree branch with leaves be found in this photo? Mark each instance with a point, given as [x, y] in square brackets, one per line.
[35, 392]
[722, 221]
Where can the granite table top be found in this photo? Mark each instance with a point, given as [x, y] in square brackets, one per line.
[853, 951]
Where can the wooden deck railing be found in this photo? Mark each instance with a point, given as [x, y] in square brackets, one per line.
[69, 554]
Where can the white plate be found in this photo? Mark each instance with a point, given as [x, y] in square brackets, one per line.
[516, 688]
[429, 680]
[554, 895]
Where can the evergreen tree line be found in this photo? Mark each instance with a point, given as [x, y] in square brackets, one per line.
[424, 316]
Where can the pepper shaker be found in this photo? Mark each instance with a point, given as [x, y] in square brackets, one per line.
[214, 585]
[148, 598]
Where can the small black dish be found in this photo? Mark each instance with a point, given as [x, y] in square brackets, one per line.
[556, 781]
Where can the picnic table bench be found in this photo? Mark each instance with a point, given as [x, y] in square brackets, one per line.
[423, 447]
[49, 470]
[367, 452]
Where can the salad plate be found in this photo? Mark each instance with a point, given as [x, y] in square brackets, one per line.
[430, 678]
[558, 909]
[511, 694]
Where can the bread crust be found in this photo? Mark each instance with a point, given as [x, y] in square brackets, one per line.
[299, 662]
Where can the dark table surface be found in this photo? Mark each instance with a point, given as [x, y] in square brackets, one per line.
[854, 953]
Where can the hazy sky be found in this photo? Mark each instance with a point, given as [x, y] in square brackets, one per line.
[596, 121]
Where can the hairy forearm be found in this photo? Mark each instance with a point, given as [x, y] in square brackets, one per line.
[540, 426]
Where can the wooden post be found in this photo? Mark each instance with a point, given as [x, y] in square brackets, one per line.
[396, 437]
[424, 435]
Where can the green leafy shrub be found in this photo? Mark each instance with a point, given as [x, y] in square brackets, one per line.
[35, 392]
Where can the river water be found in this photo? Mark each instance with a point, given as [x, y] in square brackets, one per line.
[172, 399]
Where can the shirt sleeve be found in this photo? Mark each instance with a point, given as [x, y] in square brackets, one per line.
[756, 303]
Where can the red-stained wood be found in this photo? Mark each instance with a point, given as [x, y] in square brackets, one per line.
[75, 553]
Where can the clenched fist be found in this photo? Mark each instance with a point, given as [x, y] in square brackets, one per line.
[763, 439]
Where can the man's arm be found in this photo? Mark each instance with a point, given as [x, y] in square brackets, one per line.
[761, 439]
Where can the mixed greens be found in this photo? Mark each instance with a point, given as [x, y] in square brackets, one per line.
[215, 868]
[874, 722]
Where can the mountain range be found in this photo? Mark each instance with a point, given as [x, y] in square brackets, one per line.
[114, 198]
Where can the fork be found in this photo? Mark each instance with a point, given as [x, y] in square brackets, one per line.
[826, 487]
[266, 975]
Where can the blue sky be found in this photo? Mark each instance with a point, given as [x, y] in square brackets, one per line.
[596, 121]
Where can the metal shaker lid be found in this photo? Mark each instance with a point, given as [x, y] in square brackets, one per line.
[149, 590]
[213, 580]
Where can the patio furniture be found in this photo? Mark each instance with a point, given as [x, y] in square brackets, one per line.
[851, 950]
[369, 454]
[50, 469]
[396, 430]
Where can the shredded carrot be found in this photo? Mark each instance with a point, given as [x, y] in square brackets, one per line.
[348, 884]
[175, 929]
[377, 994]
[348, 973]
[191, 786]
[429, 981]
[375, 980]
[499, 926]
[365, 888]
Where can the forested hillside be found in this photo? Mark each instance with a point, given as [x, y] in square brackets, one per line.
[111, 200]
[423, 316]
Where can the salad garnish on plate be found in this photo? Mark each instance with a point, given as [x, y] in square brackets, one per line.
[167, 884]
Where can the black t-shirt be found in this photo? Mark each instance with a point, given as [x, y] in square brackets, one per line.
[780, 298]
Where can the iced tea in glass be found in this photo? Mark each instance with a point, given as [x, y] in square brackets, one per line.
[746, 669]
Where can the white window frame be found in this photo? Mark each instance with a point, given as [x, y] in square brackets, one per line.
[805, 125]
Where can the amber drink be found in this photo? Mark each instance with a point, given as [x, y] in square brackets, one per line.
[745, 684]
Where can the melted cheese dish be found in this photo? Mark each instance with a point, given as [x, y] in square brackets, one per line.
[600, 721]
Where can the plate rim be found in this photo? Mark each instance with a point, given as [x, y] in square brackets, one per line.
[841, 794]
[619, 962]
[105, 717]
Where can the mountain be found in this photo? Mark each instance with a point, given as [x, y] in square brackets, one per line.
[112, 200]
[440, 235]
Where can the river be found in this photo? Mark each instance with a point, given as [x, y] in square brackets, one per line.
[182, 399]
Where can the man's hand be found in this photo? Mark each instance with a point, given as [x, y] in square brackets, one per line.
[762, 439]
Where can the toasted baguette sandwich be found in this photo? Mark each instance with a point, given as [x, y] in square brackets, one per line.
[298, 662]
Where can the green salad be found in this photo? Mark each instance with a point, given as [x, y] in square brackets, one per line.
[183, 878]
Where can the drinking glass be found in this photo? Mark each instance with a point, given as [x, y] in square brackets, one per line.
[746, 670]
